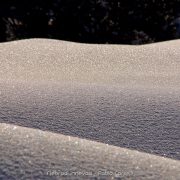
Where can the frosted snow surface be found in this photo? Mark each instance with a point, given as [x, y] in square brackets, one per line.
[124, 96]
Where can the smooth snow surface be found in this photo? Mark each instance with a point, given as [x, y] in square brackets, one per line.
[33, 154]
[125, 96]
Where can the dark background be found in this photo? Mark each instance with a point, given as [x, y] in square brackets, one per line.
[91, 21]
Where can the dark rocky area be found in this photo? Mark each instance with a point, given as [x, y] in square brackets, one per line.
[88, 21]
